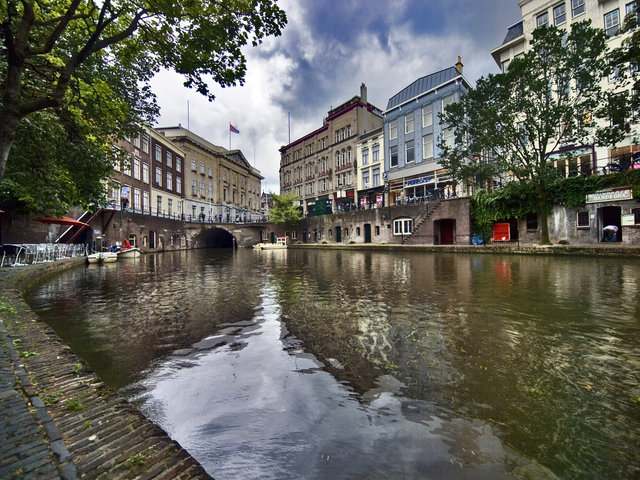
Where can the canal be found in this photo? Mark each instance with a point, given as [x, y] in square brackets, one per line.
[322, 364]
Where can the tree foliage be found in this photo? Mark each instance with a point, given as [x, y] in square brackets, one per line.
[285, 210]
[549, 99]
[88, 63]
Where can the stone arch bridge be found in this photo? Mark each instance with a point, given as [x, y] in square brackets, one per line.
[207, 235]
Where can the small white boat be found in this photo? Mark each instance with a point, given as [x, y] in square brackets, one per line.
[102, 257]
[281, 244]
[133, 252]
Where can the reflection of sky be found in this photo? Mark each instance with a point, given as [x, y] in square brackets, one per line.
[251, 409]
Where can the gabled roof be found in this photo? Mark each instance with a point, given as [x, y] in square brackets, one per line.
[423, 85]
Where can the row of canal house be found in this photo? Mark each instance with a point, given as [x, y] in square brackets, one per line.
[397, 163]
[172, 172]
[363, 158]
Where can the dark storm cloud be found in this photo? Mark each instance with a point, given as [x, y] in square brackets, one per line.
[324, 39]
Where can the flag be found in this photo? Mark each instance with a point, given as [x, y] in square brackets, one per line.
[233, 129]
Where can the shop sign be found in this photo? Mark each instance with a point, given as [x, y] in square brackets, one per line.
[419, 181]
[610, 195]
[501, 232]
[379, 199]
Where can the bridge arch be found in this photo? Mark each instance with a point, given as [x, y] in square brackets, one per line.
[214, 237]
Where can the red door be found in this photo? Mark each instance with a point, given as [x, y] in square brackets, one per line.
[446, 232]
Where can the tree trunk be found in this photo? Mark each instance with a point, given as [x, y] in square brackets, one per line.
[8, 131]
[542, 213]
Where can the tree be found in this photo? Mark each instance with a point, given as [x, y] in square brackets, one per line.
[92, 60]
[285, 210]
[550, 97]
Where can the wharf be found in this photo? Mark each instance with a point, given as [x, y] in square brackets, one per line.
[58, 419]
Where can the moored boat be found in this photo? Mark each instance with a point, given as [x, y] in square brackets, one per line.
[133, 252]
[102, 257]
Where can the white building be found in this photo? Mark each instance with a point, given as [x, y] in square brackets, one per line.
[606, 14]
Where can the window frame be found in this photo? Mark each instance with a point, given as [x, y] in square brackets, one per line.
[577, 8]
[615, 26]
[427, 113]
[393, 155]
[393, 129]
[409, 123]
[561, 6]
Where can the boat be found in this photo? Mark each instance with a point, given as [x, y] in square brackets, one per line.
[133, 252]
[281, 244]
[102, 257]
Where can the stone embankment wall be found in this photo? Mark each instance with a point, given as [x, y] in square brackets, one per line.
[106, 437]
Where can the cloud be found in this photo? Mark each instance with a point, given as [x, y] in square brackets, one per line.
[326, 51]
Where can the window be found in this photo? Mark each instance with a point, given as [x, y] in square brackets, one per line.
[376, 177]
[577, 7]
[427, 146]
[145, 172]
[504, 66]
[202, 189]
[559, 14]
[169, 160]
[393, 156]
[194, 187]
[169, 181]
[365, 179]
[145, 143]
[377, 229]
[209, 191]
[159, 205]
[446, 101]
[209, 171]
[136, 168]
[408, 123]
[178, 185]
[136, 199]
[193, 164]
[202, 168]
[375, 154]
[636, 216]
[145, 201]
[409, 152]
[169, 206]
[136, 141]
[158, 154]
[447, 137]
[583, 219]
[178, 164]
[612, 22]
[393, 129]
[427, 116]
[365, 156]
[532, 221]
[159, 176]
[402, 226]
[542, 20]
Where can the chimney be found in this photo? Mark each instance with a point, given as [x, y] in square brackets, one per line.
[363, 93]
[459, 65]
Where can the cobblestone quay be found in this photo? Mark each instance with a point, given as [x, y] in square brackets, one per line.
[58, 419]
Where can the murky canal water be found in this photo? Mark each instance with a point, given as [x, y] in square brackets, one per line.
[345, 365]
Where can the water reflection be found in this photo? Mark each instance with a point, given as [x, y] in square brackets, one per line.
[446, 366]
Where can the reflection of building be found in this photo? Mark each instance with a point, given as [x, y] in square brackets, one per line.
[370, 153]
[320, 166]
[610, 15]
[412, 133]
[219, 184]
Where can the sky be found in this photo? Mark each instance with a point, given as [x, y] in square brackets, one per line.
[326, 51]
